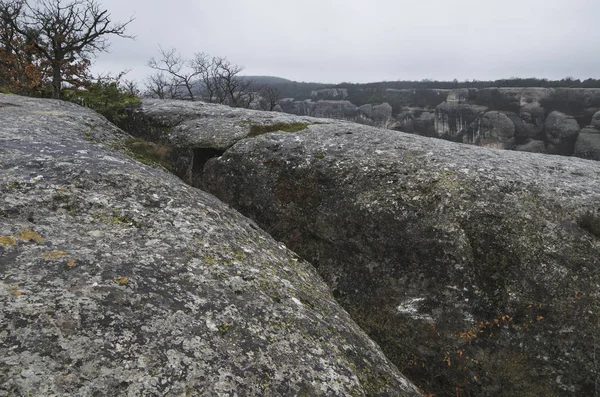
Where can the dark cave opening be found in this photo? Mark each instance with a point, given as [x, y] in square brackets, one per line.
[201, 157]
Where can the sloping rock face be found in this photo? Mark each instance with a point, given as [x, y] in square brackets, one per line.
[117, 279]
[475, 269]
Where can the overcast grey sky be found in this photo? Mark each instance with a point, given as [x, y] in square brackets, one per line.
[359, 41]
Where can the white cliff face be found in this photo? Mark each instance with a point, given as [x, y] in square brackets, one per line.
[452, 119]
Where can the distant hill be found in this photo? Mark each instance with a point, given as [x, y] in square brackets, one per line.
[267, 80]
[287, 88]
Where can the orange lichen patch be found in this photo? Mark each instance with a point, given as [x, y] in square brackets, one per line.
[71, 264]
[14, 290]
[30, 235]
[122, 280]
[55, 254]
[8, 241]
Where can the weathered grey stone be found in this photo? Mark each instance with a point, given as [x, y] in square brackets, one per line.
[117, 279]
[596, 120]
[561, 131]
[197, 131]
[588, 144]
[533, 146]
[492, 257]
[200, 124]
[452, 119]
[493, 129]
[534, 114]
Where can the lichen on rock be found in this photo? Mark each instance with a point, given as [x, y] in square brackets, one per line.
[117, 279]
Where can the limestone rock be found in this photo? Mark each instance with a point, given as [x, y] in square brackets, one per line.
[452, 119]
[561, 131]
[588, 144]
[117, 279]
[478, 265]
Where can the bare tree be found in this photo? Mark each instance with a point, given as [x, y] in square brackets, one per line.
[65, 35]
[156, 85]
[204, 66]
[181, 71]
[271, 96]
[230, 83]
[131, 88]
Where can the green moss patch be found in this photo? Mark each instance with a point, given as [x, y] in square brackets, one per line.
[148, 153]
[257, 130]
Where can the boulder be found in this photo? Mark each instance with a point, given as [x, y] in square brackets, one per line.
[524, 131]
[493, 129]
[596, 120]
[561, 131]
[588, 144]
[476, 270]
[117, 279]
[377, 115]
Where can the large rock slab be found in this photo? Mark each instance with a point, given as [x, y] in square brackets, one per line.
[198, 131]
[475, 269]
[117, 279]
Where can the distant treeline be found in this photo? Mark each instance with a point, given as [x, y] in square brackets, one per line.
[568, 82]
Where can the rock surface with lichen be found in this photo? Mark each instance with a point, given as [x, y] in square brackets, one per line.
[117, 279]
[187, 126]
[475, 269]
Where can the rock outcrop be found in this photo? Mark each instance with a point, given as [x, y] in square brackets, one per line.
[198, 131]
[453, 118]
[378, 115]
[475, 269]
[117, 279]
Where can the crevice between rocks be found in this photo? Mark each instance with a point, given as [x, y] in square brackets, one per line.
[200, 157]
